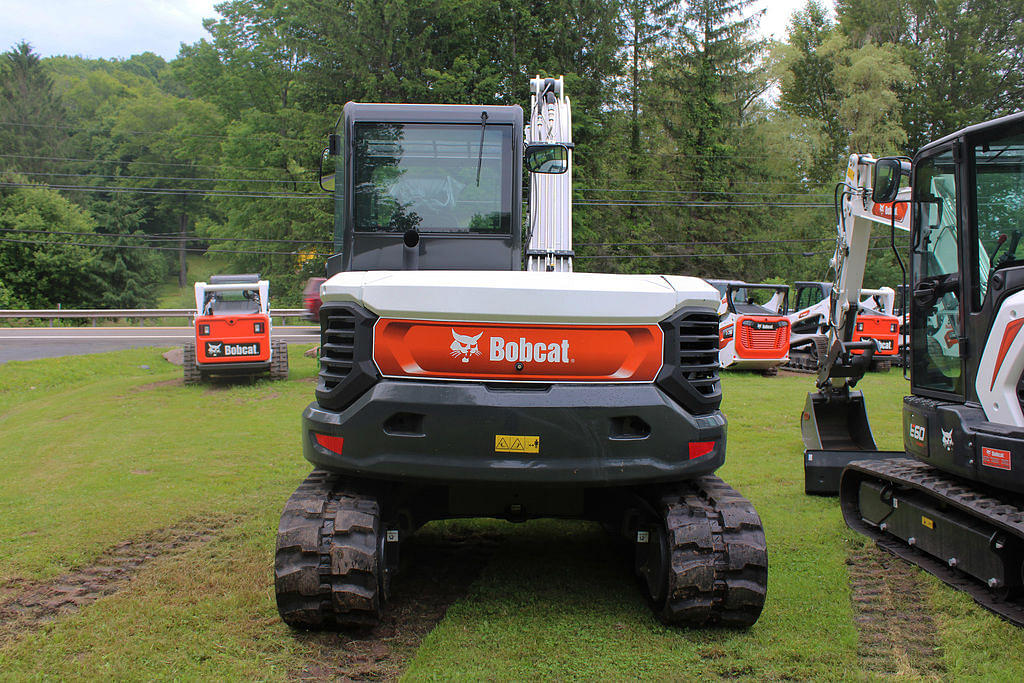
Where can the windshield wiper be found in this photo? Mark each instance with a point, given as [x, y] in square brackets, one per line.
[480, 154]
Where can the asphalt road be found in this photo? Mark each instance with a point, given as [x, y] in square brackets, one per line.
[28, 343]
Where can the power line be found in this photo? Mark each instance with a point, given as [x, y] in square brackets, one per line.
[163, 133]
[709, 204]
[829, 238]
[150, 247]
[290, 253]
[314, 182]
[156, 177]
[701, 255]
[178, 192]
[141, 163]
[624, 179]
[292, 195]
[700, 192]
[167, 237]
[673, 244]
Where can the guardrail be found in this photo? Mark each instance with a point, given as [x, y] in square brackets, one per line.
[124, 313]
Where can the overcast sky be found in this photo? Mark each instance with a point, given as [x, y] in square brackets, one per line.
[121, 28]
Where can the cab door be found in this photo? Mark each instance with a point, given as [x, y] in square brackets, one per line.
[936, 297]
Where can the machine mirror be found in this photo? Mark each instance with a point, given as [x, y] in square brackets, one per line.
[547, 158]
[886, 183]
[327, 168]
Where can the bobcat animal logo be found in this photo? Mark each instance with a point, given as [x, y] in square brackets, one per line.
[214, 349]
[465, 346]
[947, 439]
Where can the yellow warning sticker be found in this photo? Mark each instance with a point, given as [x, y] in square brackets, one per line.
[927, 522]
[510, 443]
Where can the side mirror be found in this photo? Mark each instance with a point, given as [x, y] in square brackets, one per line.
[547, 158]
[327, 179]
[885, 184]
[334, 144]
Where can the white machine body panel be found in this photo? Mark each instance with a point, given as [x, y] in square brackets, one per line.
[1002, 363]
[521, 296]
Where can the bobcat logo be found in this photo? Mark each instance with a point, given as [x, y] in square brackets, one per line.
[214, 349]
[465, 346]
[947, 439]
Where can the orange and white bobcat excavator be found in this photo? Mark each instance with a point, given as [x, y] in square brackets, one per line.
[952, 501]
[455, 384]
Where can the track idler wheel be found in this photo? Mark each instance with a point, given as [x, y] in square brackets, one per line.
[328, 569]
[704, 562]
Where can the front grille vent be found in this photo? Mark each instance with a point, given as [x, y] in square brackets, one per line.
[346, 342]
[337, 345]
[698, 351]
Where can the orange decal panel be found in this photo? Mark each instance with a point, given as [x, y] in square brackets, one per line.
[762, 337]
[512, 352]
[885, 210]
[232, 338]
[879, 328]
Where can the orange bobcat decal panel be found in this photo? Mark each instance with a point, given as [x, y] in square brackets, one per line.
[232, 338]
[517, 353]
[882, 328]
[762, 337]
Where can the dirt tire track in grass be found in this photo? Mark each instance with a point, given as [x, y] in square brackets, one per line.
[435, 572]
[27, 604]
[896, 634]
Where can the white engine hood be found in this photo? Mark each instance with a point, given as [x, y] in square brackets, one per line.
[520, 296]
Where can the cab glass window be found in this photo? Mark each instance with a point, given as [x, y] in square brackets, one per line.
[999, 191]
[433, 178]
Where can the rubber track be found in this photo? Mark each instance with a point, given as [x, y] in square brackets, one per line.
[326, 568]
[279, 362]
[805, 361]
[188, 363]
[881, 365]
[719, 558]
[956, 493]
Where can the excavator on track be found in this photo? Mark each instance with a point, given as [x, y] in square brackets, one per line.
[952, 501]
[453, 383]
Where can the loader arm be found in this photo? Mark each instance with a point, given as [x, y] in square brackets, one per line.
[857, 215]
[834, 422]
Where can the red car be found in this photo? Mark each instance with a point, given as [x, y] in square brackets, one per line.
[311, 298]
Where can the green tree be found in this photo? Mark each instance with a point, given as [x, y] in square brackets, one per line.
[966, 57]
[32, 116]
[45, 259]
[808, 90]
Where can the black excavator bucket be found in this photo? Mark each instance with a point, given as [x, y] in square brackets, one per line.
[835, 431]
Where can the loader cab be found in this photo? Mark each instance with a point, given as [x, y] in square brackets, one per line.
[810, 293]
[431, 187]
[233, 295]
[808, 296]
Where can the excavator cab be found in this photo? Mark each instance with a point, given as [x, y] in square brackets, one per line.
[431, 187]
[426, 187]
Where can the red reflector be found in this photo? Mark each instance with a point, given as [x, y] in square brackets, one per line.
[334, 443]
[699, 448]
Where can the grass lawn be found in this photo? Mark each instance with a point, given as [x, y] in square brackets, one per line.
[108, 457]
